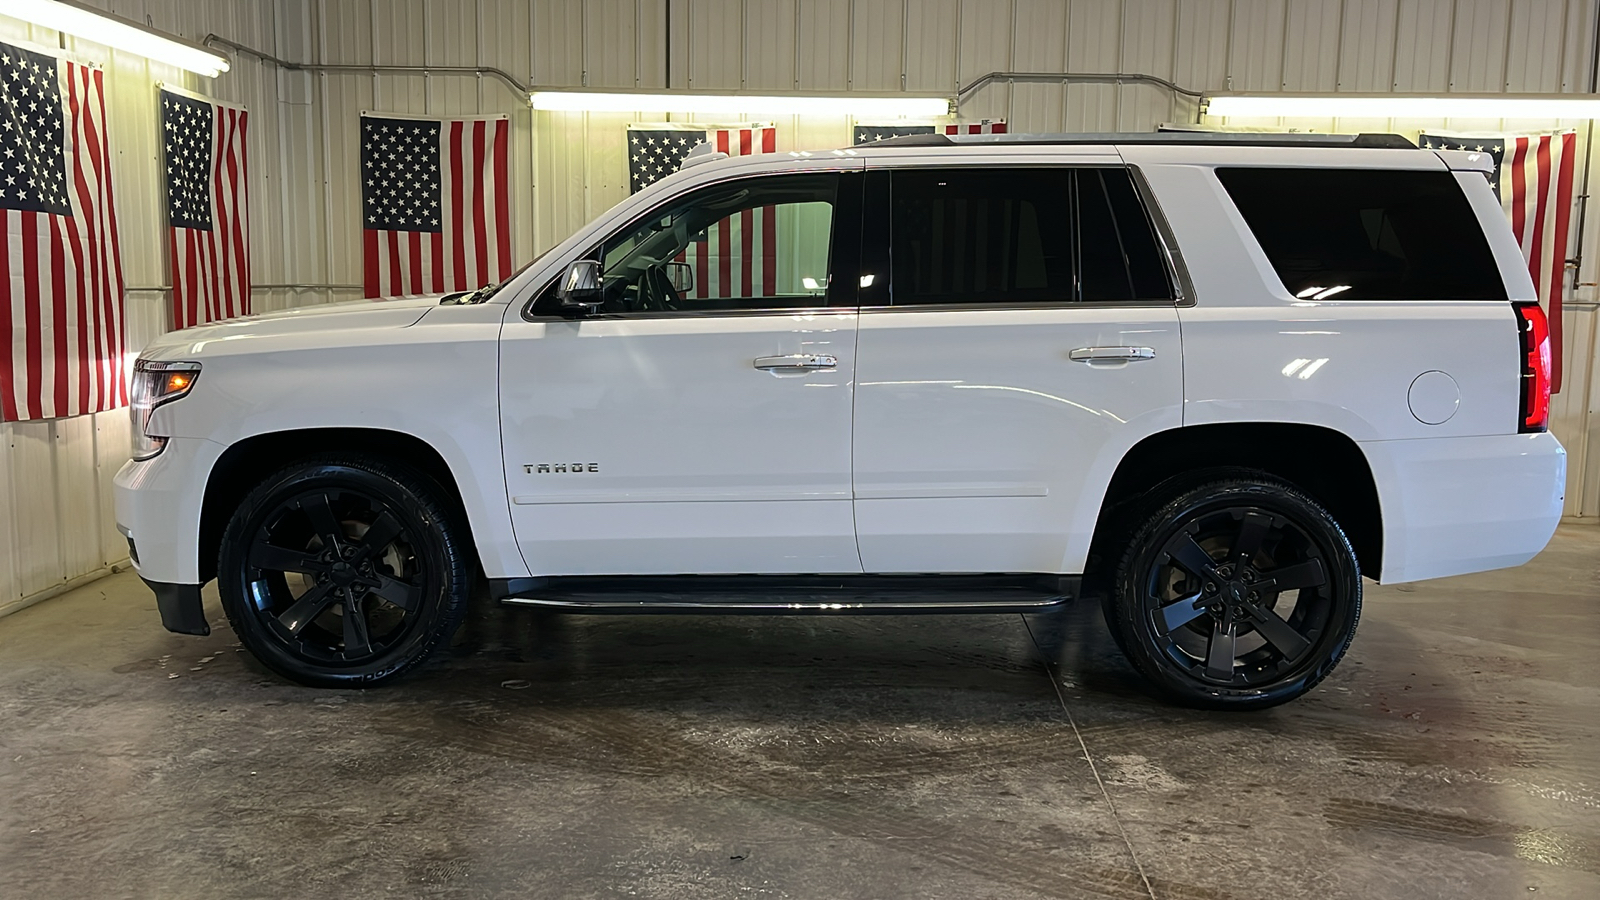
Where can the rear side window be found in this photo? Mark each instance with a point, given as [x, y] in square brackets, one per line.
[1367, 234]
[1021, 236]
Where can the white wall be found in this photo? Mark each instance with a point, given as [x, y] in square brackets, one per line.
[55, 514]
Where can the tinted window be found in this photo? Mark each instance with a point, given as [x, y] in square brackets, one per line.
[1011, 236]
[1118, 254]
[1369, 234]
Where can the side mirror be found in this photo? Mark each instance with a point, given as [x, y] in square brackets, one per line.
[582, 291]
[681, 276]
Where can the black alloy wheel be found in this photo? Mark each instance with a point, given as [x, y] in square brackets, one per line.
[1241, 593]
[343, 572]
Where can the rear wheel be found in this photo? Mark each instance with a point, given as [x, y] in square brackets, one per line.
[1240, 593]
[341, 572]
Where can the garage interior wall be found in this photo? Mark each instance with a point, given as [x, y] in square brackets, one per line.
[56, 525]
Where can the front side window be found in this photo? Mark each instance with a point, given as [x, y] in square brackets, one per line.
[1021, 236]
[1367, 234]
[761, 243]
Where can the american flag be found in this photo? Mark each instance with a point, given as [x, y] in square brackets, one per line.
[435, 204]
[61, 306]
[207, 209]
[1533, 179]
[736, 257]
[871, 134]
[982, 126]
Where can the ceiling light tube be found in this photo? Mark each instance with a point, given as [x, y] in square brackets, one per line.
[891, 106]
[92, 25]
[1406, 106]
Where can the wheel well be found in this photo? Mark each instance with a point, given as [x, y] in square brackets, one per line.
[1320, 461]
[243, 465]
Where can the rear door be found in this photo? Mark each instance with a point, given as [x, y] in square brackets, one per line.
[1018, 334]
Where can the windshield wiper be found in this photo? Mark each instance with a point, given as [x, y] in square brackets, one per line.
[477, 296]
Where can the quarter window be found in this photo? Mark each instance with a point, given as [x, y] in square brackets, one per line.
[1021, 236]
[1367, 234]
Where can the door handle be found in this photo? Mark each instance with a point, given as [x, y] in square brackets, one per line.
[1111, 354]
[796, 361]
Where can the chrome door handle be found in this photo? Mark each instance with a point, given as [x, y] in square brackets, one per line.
[1111, 354]
[797, 361]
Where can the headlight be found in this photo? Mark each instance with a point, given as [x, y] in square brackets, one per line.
[155, 383]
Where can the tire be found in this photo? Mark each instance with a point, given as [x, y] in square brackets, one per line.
[332, 531]
[1237, 593]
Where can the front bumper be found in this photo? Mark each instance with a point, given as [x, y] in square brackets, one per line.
[1466, 504]
[158, 505]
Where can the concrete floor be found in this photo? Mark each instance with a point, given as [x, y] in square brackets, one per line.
[1456, 753]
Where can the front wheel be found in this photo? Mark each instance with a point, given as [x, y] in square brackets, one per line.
[343, 572]
[1241, 593]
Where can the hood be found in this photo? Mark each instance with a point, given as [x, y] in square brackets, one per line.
[331, 317]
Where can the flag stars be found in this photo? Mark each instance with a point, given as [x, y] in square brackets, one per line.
[32, 121]
[401, 157]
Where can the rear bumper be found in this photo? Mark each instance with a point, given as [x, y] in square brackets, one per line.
[181, 608]
[1467, 504]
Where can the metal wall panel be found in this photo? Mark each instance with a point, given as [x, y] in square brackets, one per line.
[1311, 45]
[1094, 44]
[1422, 45]
[1367, 45]
[1478, 53]
[56, 517]
[1148, 46]
[824, 51]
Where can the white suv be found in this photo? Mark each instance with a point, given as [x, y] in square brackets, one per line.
[1209, 380]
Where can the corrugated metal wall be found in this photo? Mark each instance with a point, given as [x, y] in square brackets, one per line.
[56, 523]
[55, 518]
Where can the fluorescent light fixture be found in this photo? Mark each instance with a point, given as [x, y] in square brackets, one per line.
[1406, 106]
[889, 106]
[92, 25]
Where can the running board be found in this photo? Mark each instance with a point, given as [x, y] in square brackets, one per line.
[775, 595]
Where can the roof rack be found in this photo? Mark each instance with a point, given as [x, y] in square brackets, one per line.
[1213, 138]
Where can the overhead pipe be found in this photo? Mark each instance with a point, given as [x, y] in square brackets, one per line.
[501, 74]
[1073, 78]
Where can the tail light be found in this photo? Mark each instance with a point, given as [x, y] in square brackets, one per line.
[1534, 329]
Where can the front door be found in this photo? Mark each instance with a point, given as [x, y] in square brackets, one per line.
[1027, 338]
[699, 423]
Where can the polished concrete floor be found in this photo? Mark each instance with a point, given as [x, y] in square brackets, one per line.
[1455, 753]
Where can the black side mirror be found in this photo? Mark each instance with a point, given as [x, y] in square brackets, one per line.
[680, 275]
[582, 291]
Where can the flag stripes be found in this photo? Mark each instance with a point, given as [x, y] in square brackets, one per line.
[61, 282]
[983, 126]
[208, 209]
[738, 257]
[437, 201]
[1536, 191]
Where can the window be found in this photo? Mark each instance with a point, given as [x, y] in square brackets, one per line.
[1021, 236]
[1367, 234]
[1117, 248]
[761, 243]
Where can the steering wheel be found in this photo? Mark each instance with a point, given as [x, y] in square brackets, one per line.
[656, 293]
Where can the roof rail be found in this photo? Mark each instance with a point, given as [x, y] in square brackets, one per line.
[1201, 138]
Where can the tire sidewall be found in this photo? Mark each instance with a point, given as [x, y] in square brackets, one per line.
[1138, 636]
[434, 544]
